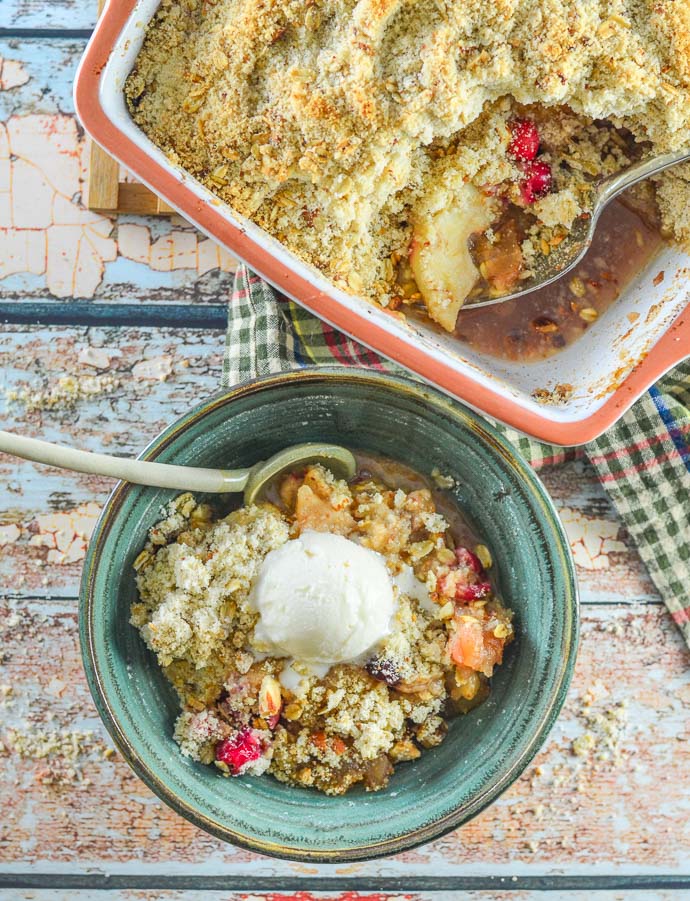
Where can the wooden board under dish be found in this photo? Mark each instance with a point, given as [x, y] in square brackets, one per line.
[109, 193]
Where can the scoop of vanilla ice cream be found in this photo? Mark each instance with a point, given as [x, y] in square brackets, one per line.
[322, 599]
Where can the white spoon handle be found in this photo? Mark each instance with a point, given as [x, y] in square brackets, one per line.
[613, 185]
[158, 475]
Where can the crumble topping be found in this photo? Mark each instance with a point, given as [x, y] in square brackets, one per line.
[197, 592]
[333, 125]
[327, 727]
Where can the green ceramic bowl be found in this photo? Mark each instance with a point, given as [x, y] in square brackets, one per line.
[485, 750]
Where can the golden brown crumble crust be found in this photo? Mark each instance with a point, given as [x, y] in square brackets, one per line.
[325, 121]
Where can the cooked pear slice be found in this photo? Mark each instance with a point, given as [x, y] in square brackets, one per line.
[439, 254]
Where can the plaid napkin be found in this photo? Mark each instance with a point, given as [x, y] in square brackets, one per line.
[643, 462]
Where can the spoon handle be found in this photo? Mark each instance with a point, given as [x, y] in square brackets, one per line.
[613, 186]
[158, 475]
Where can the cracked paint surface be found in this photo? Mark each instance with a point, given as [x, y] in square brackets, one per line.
[591, 540]
[12, 74]
[97, 357]
[176, 250]
[50, 243]
[66, 535]
[9, 534]
[44, 229]
[154, 369]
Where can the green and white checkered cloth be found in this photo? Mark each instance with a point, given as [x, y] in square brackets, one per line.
[643, 462]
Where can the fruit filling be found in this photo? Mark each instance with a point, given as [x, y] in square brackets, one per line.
[327, 635]
[457, 255]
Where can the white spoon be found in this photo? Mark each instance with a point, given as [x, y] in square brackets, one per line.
[252, 481]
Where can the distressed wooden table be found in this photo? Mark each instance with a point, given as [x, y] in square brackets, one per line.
[134, 308]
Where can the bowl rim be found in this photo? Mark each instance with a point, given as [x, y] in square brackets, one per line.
[420, 835]
[381, 333]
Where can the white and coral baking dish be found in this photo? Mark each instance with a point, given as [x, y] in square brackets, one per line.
[644, 334]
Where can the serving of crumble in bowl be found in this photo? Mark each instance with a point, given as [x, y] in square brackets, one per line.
[301, 713]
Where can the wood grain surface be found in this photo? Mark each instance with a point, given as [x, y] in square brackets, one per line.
[131, 311]
[503, 890]
[143, 379]
[587, 816]
[65, 16]
[619, 810]
[53, 247]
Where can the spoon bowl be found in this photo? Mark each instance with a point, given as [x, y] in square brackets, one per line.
[252, 481]
[338, 460]
[547, 269]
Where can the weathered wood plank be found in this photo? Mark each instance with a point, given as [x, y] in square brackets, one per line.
[62, 14]
[111, 315]
[46, 501]
[501, 889]
[53, 247]
[140, 380]
[164, 373]
[66, 382]
[601, 546]
[625, 814]
[103, 187]
[37, 74]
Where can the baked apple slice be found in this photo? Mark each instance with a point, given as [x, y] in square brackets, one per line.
[440, 256]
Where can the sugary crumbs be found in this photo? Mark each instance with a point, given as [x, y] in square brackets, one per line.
[251, 714]
[556, 396]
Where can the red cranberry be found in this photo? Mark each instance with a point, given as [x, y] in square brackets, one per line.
[524, 141]
[472, 592]
[536, 181]
[469, 559]
[239, 750]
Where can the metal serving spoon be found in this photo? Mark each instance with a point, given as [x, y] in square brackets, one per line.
[577, 242]
[251, 481]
